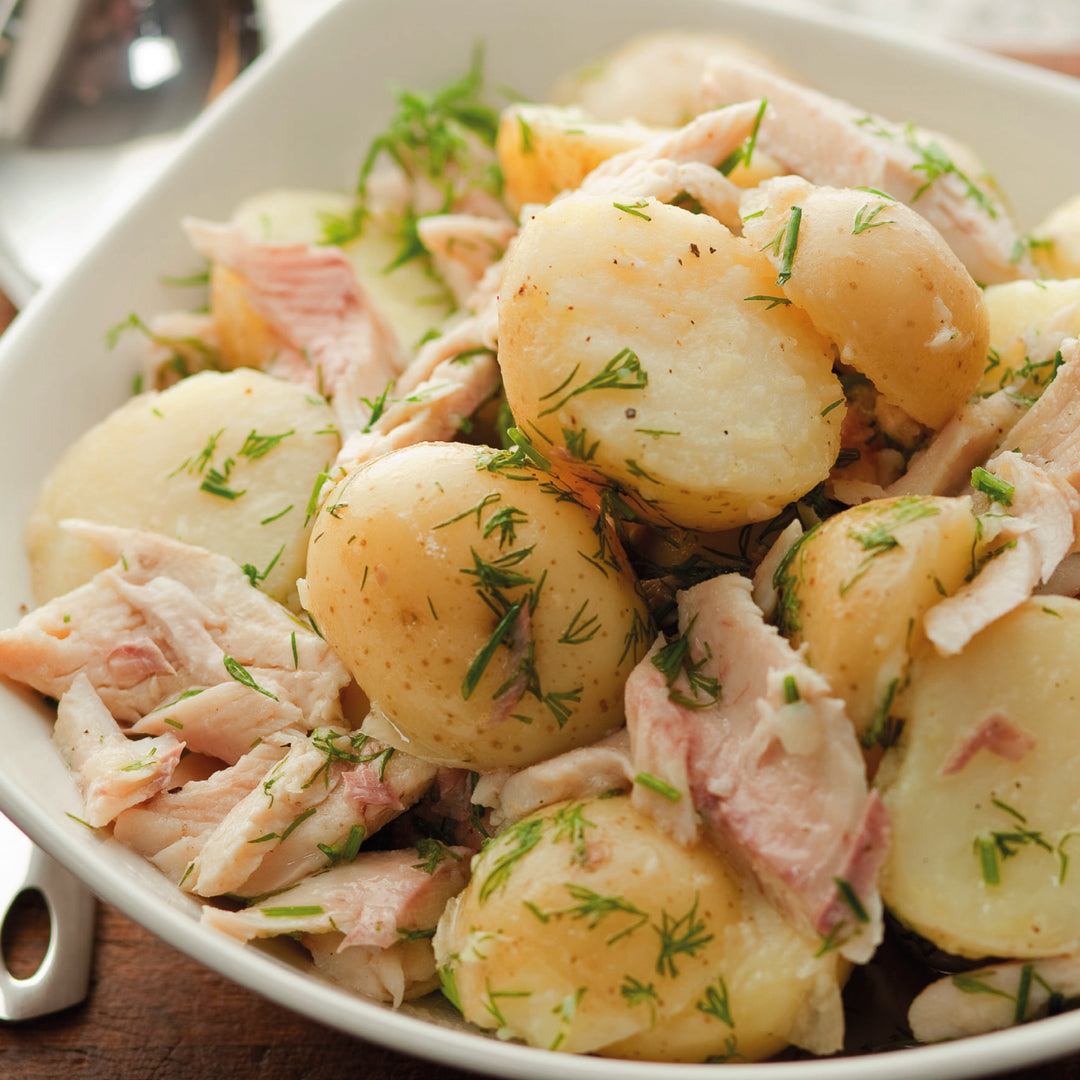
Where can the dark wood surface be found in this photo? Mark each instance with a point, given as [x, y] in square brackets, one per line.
[154, 1014]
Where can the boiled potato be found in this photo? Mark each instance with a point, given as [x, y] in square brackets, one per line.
[673, 90]
[653, 358]
[1056, 246]
[588, 929]
[245, 338]
[545, 149]
[225, 461]
[879, 281]
[983, 789]
[1028, 322]
[486, 615]
[856, 588]
[406, 296]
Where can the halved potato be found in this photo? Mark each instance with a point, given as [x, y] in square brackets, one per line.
[983, 789]
[545, 149]
[856, 589]
[226, 461]
[654, 357]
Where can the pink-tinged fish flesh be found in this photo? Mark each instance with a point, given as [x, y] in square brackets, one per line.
[170, 828]
[577, 774]
[112, 771]
[401, 972]
[450, 377]
[709, 138]
[381, 898]
[989, 999]
[464, 247]
[995, 733]
[943, 466]
[309, 295]
[223, 721]
[369, 794]
[682, 161]
[169, 618]
[746, 737]
[1049, 434]
[1041, 529]
[288, 792]
[832, 143]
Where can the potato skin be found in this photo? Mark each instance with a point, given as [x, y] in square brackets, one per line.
[946, 818]
[146, 466]
[879, 281]
[414, 566]
[726, 417]
[578, 906]
[855, 592]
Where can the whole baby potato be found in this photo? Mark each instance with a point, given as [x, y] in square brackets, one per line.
[586, 928]
[482, 609]
[658, 357]
[983, 790]
[879, 281]
[225, 461]
[856, 588]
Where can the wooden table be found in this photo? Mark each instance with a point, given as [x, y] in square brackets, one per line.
[154, 1014]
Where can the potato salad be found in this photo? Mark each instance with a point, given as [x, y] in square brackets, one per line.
[615, 567]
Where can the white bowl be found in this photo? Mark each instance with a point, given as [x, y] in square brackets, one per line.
[303, 116]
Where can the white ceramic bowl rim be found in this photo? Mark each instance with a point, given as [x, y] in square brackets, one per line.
[219, 161]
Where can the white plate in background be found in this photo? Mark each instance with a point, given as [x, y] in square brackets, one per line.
[303, 116]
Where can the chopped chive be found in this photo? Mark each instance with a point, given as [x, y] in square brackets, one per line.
[848, 895]
[634, 208]
[789, 243]
[993, 487]
[661, 787]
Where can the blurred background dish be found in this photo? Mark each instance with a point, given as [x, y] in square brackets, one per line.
[93, 94]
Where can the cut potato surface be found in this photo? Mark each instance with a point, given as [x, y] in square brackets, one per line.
[983, 789]
[856, 589]
[655, 357]
[480, 607]
[544, 149]
[225, 461]
[587, 928]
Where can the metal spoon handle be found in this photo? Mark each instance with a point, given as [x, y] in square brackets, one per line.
[63, 977]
